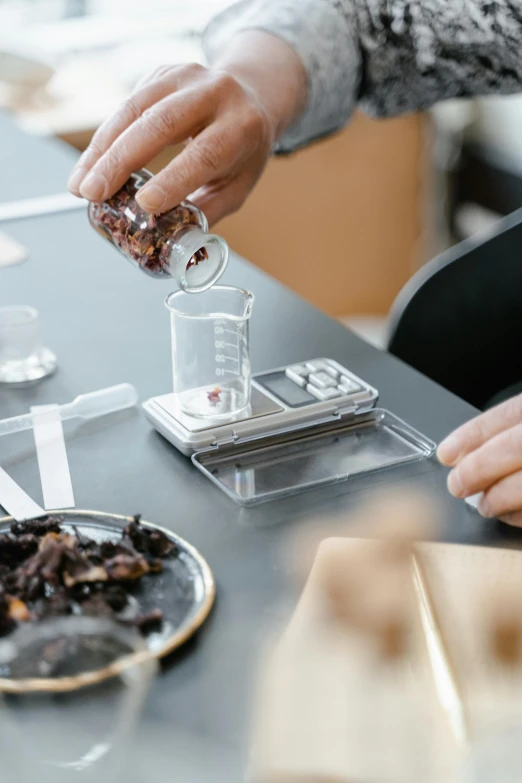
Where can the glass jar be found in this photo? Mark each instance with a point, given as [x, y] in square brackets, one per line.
[73, 689]
[175, 244]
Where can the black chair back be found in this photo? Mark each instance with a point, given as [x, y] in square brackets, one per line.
[459, 319]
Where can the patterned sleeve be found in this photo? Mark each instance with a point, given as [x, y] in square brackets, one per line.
[388, 56]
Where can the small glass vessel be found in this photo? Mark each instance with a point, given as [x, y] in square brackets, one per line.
[214, 381]
[23, 357]
[175, 244]
[72, 692]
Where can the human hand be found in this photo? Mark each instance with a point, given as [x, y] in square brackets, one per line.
[230, 141]
[486, 457]
[229, 117]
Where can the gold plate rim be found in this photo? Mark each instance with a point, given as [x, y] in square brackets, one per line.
[65, 684]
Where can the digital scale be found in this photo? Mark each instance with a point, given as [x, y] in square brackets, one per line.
[308, 425]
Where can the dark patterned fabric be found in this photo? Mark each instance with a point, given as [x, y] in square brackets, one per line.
[388, 56]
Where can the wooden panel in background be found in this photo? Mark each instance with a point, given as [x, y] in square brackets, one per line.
[340, 221]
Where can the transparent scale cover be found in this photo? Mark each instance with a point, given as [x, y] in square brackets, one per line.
[255, 470]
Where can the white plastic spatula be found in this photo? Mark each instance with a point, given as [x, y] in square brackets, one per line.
[86, 406]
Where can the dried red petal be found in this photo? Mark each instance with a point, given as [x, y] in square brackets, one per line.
[145, 238]
[214, 396]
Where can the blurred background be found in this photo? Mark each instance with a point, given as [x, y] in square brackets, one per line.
[344, 223]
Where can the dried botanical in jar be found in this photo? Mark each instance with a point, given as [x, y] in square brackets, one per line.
[174, 244]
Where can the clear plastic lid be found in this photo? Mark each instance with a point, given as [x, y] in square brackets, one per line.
[281, 464]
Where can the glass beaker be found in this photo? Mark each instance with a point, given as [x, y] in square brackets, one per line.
[210, 350]
[72, 695]
[23, 358]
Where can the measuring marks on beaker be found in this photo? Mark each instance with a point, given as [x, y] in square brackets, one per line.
[228, 348]
[210, 355]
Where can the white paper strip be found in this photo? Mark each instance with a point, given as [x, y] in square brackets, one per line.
[11, 251]
[15, 501]
[43, 205]
[52, 457]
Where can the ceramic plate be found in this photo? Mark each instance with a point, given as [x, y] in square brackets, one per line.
[184, 591]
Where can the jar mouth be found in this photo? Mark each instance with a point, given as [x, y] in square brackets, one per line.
[174, 303]
[207, 262]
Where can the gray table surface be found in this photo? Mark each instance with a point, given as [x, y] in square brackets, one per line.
[38, 168]
[107, 324]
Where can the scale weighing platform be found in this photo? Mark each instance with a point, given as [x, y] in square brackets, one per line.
[308, 425]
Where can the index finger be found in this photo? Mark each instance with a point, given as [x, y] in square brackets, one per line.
[482, 468]
[169, 121]
[145, 96]
[213, 154]
[479, 430]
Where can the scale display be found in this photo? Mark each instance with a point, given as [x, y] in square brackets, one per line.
[285, 390]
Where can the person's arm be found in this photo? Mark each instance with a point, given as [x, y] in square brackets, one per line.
[283, 73]
[387, 56]
[229, 117]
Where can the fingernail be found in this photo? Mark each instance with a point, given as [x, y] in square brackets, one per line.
[514, 519]
[75, 180]
[449, 450]
[151, 198]
[474, 500]
[455, 484]
[93, 187]
[483, 507]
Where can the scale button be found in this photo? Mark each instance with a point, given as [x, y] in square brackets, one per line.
[347, 385]
[300, 380]
[323, 394]
[333, 372]
[322, 379]
[298, 369]
[317, 365]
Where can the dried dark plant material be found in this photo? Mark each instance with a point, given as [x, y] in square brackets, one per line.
[7, 623]
[97, 606]
[14, 551]
[126, 568]
[197, 258]
[155, 565]
[37, 527]
[160, 545]
[46, 572]
[149, 542]
[214, 396]
[91, 573]
[110, 549]
[146, 239]
[58, 604]
[18, 611]
[149, 622]
[83, 542]
[116, 597]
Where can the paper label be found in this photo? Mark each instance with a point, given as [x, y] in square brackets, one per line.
[11, 251]
[52, 457]
[17, 502]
